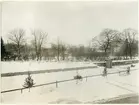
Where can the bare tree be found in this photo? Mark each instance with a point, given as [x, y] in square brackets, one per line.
[63, 50]
[59, 49]
[72, 50]
[106, 39]
[129, 36]
[92, 47]
[17, 37]
[39, 38]
[55, 50]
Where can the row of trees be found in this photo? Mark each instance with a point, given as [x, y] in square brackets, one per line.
[18, 46]
[126, 42]
[108, 42]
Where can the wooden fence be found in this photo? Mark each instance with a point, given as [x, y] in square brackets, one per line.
[114, 63]
[57, 82]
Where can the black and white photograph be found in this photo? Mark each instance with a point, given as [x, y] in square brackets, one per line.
[69, 52]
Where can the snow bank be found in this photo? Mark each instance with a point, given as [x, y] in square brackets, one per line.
[34, 65]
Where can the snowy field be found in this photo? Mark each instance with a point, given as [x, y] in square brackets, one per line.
[95, 88]
[42, 65]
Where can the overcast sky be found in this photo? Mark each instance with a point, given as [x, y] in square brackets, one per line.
[74, 22]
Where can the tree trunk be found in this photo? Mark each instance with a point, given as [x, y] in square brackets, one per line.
[130, 47]
[105, 52]
[58, 56]
[127, 48]
[126, 52]
[58, 53]
[63, 56]
[37, 56]
[18, 47]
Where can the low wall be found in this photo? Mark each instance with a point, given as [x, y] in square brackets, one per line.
[46, 71]
[114, 63]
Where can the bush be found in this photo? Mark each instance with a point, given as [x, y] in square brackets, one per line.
[29, 82]
[77, 77]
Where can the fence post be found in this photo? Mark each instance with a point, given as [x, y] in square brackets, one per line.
[21, 90]
[128, 70]
[109, 63]
[86, 78]
[56, 84]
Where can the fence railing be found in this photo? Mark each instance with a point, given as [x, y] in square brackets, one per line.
[45, 71]
[56, 82]
[114, 63]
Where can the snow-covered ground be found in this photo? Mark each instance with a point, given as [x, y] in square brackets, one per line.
[93, 89]
[42, 65]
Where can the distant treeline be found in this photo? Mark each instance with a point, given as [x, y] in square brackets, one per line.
[120, 45]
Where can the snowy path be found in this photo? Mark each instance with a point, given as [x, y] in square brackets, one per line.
[95, 88]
